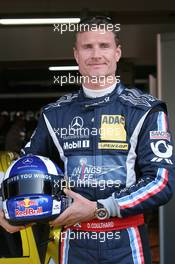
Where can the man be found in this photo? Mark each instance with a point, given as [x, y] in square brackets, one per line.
[106, 134]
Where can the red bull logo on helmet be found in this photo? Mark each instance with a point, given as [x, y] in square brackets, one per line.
[28, 212]
[23, 208]
[26, 203]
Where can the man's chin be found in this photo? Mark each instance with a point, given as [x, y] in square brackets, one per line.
[98, 75]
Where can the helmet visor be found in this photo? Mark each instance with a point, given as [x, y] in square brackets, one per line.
[30, 184]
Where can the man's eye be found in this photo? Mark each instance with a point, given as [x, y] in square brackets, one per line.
[87, 46]
[104, 45]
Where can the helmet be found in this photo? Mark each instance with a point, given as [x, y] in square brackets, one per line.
[32, 190]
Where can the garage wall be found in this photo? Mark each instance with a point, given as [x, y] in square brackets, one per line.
[166, 81]
[42, 43]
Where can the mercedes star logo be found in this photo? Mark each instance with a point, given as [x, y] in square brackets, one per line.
[27, 161]
[77, 122]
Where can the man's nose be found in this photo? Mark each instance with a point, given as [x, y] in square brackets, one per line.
[96, 53]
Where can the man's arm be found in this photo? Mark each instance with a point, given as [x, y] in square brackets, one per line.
[155, 170]
[9, 228]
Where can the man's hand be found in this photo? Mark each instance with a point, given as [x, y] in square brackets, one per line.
[9, 228]
[81, 210]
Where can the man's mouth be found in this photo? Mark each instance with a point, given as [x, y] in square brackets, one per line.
[97, 64]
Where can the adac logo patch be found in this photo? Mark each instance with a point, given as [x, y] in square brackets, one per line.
[113, 128]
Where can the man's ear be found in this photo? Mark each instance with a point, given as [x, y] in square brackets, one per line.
[75, 54]
[118, 53]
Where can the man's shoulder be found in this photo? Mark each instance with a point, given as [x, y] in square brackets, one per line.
[136, 98]
[63, 101]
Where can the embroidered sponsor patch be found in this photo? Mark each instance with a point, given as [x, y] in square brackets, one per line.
[76, 144]
[160, 135]
[113, 127]
[162, 151]
[113, 145]
[87, 171]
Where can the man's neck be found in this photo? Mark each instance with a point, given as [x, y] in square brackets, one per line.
[99, 83]
[94, 93]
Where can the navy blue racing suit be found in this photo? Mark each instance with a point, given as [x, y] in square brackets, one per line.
[116, 149]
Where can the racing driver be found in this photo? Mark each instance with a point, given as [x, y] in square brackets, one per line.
[106, 133]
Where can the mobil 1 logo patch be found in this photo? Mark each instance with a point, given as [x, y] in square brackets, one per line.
[76, 144]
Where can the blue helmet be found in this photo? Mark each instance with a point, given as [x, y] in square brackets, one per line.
[32, 190]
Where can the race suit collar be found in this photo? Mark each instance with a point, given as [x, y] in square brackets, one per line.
[99, 101]
[98, 93]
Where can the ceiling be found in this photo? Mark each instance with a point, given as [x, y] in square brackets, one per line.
[125, 11]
